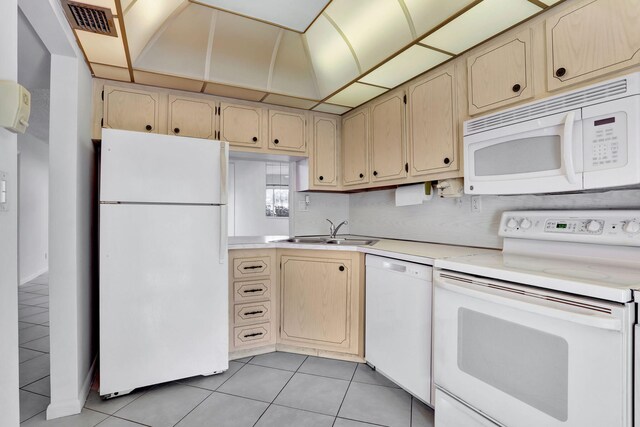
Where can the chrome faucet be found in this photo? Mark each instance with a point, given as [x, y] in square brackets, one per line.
[333, 230]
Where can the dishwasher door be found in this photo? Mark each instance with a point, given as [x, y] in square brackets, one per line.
[398, 323]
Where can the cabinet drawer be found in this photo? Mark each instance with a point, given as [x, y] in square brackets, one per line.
[256, 290]
[244, 336]
[251, 267]
[252, 312]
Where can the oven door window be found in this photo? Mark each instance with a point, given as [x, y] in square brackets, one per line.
[525, 155]
[525, 363]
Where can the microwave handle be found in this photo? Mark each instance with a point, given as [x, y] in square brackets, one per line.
[567, 147]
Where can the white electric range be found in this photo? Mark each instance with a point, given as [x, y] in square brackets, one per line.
[542, 333]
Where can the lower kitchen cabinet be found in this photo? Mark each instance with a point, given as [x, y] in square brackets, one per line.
[321, 300]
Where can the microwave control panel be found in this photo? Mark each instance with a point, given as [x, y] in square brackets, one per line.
[605, 142]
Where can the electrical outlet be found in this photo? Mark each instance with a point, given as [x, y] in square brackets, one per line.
[302, 206]
[476, 204]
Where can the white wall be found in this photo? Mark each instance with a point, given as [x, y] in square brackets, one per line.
[451, 220]
[9, 404]
[250, 187]
[321, 206]
[34, 207]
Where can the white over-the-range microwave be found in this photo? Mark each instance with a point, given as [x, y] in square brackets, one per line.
[580, 140]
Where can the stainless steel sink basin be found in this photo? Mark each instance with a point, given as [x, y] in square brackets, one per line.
[328, 241]
[352, 242]
[316, 240]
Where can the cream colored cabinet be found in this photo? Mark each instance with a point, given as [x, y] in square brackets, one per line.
[130, 109]
[592, 38]
[287, 131]
[241, 125]
[433, 123]
[387, 142]
[324, 155]
[194, 117]
[501, 74]
[321, 300]
[355, 148]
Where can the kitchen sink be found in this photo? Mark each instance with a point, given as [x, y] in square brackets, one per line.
[329, 241]
[316, 240]
[352, 242]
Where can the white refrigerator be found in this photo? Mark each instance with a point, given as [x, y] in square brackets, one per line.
[163, 259]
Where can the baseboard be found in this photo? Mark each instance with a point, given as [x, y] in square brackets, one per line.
[69, 407]
[32, 276]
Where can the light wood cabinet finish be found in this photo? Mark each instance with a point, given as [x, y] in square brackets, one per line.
[388, 155]
[241, 125]
[500, 75]
[592, 38]
[252, 312]
[321, 302]
[355, 148]
[251, 265]
[252, 336]
[287, 131]
[325, 152]
[192, 117]
[131, 109]
[255, 290]
[433, 123]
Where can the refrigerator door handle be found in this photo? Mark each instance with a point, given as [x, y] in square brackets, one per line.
[222, 255]
[224, 162]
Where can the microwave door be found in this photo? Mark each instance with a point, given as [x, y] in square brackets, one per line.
[536, 156]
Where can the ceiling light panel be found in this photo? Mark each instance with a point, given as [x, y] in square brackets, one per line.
[356, 94]
[374, 28]
[333, 63]
[293, 14]
[479, 23]
[408, 64]
[428, 14]
[331, 109]
[103, 49]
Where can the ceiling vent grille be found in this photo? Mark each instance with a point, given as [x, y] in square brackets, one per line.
[90, 18]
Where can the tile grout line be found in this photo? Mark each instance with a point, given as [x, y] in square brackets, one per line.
[346, 392]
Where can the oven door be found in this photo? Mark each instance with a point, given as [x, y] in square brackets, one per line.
[536, 156]
[528, 357]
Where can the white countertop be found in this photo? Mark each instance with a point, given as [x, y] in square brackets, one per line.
[419, 252]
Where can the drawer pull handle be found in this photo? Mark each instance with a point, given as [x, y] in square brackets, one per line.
[251, 313]
[250, 291]
[252, 267]
[255, 334]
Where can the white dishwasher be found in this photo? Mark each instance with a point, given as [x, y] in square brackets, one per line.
[398, 322]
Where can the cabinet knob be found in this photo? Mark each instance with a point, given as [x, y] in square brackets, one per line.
[176, 130]
[561, 72]
[276, 141]
[361, 175]
[375, 173]
[516, 88]
[446, 161]
[148, 127]
[254, 139]
[321, 178]
[341, 268]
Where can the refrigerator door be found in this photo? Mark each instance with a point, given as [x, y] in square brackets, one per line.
[150, 168]
[163, 294]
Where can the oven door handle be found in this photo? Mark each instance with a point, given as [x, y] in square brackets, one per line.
[567, 146]
[531, 304]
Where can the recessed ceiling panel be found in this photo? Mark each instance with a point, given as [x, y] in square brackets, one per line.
[333, 62]
[292, 72]
[296, 15]
[289, 101]
[356, 94]
[181, 49]
[111, 73]
[479, 23]
[331, 109]
[103, 49]
[233, 92]
[162, 80]
[374, 28]
[550, 2]
[428, 14]
[408, 64]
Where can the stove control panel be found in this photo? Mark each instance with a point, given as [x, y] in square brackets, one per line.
[612, 227]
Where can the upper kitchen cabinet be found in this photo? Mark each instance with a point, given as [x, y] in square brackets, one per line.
[355, 144]
[590, 39]
[501, 74]
[324, 156]
[433, 123]
[130, 109]
[241, 125]
[192, 117]
[388, 155]
[287, 131]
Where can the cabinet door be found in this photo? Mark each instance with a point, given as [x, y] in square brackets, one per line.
[500, 75]
[590, 39]
[287, 131]
[355, 148]
[191, 117]
[388, 157]
[433, 124]
[325, 152]
[130, 109]
[241, 125]
[316, 302]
